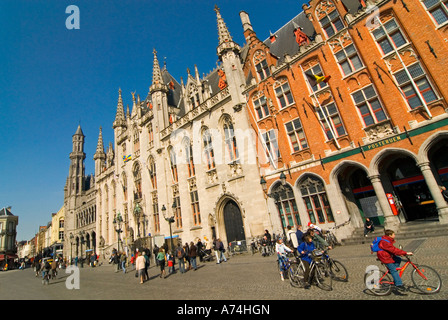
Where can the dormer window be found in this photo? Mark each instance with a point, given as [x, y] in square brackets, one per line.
[331, 23]
[261, 65]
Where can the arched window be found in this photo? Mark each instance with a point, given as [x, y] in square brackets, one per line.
[152, 173]
[137, 181]
[316, 201]
[230, 140]
[286, 205]
[173, 165]
[189, 158]
[208, 149]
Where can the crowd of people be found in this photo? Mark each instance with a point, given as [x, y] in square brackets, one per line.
[185, 256]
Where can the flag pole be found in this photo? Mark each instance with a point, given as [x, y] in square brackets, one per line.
[260, 137]
[323, 113]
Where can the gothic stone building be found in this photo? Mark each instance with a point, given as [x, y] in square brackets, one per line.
[185, 151]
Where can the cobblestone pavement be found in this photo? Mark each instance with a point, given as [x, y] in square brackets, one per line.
[242, 277]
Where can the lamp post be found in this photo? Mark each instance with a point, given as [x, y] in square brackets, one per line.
[72, 238]
[117, 225]
[170, 220]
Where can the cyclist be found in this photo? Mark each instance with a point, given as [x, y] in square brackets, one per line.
[305, 249]
[319, 242]
[281, 250]
[389, 256]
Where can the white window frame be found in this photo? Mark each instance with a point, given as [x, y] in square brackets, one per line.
[367, 101]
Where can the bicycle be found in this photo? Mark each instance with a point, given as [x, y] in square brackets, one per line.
[289, 270]
[337, 270]
[318, 273]
[329, 236]
[424, 278]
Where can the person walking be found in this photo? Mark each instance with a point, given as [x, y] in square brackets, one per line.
[145, 255]
[123, 259]
[221, 250]
[161, 262]
[156, 251]
[180, 253]
[187, 255]
[193, 254]
[140, 267]
[305, 249]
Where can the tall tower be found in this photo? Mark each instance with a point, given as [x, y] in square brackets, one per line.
[229, 53]
[76, 172]
[158, 91]
[99, 156]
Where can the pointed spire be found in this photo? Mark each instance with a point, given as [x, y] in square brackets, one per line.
[119, 117]
[99, 147]
[134, 105]
[225, 39]
[157, 81]
[79, 131]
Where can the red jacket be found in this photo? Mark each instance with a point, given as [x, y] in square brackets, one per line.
[388, 250]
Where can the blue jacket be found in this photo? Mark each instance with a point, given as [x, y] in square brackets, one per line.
[307, 248]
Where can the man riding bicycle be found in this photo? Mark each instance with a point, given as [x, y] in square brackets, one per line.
[389, 256]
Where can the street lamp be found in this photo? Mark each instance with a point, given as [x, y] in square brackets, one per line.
[170, 220]
[117, 225]
[72, 239]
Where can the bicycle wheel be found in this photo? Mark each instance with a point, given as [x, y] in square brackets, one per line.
[338, 271]
[297, 275]
[323, 277]
[379, 284]
[426, 279]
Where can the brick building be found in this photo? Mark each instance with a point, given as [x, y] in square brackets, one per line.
[349, 102]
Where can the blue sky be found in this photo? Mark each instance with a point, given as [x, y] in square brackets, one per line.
[52, 79]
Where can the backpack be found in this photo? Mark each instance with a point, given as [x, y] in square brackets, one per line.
[180, 254]
[374, 247]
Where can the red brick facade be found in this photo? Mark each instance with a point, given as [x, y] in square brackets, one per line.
[382, 119]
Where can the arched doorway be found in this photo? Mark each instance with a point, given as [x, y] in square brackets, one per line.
[410, 189]
[233, 222]
[359, 194]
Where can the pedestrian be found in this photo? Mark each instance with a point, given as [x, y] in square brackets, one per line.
[180, 253]
[116, 261]
[389, 255]
[156, 251]
[299, 235]
[145, 255]
[161, 262]
[187, 254]
[192, 255]
[46, 267]
[76, 261]
[319, 242]
[368, 226]
[123, 259]
[92, 260]
[281, 250]
[36, 266]
[444, 193]
[292, 238]
[54, 271]
[140, 267]
[305, 249]
[221, 250]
